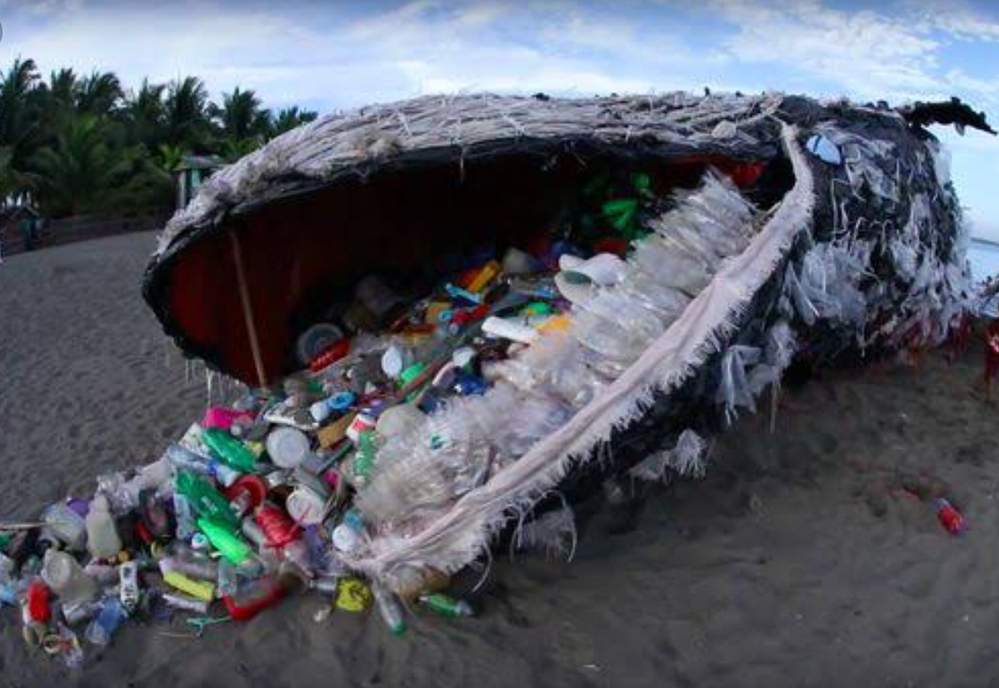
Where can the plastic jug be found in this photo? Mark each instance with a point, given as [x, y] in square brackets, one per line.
[67, 525]
[63, 574]
[102, 536]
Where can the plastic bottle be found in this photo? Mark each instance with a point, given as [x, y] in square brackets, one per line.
[446, 605]
[276, 524]
[228, 580]
[253, 598]
[67, 525]
[80, 612]
[102, 536]
[254, 533]
[189, 565]
[101, 629]
[184, 515]
[205, 499]
[183, 458]
[128, 588]
[338, 403]
[297, 552]
[949, 517]
[225, 539]
[202, 590]
[230, 450]
[364, 460]
[326, 584]
[185, 602]
[6, 568]
[389, 608]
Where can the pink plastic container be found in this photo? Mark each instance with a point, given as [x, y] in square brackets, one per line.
[223, 418]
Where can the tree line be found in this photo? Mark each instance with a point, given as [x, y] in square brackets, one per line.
[74, 144]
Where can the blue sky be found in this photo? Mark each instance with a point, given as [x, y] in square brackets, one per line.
[341, 54]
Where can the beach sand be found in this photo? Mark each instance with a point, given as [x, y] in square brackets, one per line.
[802, 559]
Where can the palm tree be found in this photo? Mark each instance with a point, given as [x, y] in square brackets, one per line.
[290, 117]
[146, 116]
[19, 126]
[79, 168]
[170, 157]
[187, 122]
[99, 94]
[240, 116]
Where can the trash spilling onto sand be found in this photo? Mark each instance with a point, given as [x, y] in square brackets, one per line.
[402, 401]
[419, 388]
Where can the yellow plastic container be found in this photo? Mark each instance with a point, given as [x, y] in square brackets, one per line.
[485, 275]
[203, 590]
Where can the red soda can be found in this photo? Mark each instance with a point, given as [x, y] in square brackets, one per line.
[949, 517]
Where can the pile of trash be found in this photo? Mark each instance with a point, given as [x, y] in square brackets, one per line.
[402, 400]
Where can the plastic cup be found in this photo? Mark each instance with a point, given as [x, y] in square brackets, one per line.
[287, 447]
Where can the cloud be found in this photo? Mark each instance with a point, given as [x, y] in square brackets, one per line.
[864, 53]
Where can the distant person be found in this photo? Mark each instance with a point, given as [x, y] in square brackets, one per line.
[991, 357]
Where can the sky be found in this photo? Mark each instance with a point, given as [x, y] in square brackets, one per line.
[340, 54]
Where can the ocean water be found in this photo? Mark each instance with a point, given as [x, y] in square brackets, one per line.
[984, 259]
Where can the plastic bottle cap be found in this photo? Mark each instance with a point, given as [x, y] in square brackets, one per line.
[392, 361]
[287, 447]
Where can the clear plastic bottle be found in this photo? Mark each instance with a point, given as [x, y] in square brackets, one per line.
[101, 629]
[389, 608]
[185, 516]
[103, 541]
[228, 582]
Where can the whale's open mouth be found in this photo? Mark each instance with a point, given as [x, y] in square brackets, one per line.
[307, 249]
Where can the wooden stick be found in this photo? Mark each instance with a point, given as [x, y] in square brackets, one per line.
[22, 526]
[244, 297]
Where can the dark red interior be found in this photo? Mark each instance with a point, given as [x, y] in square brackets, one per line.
[303, 251]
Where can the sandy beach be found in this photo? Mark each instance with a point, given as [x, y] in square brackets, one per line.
[804, 558]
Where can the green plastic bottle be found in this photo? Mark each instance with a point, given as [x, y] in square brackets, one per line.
[364, 459]
[204, 498]
[229, 450]
[225, 539]
[446, 605]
